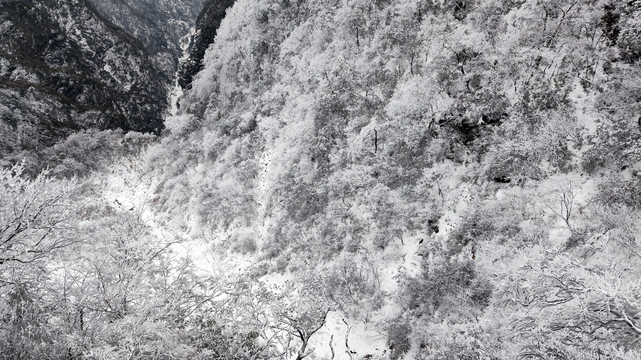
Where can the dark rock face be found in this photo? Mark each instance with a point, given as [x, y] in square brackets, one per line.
[158, 24]
[206, 27]
[64, 68]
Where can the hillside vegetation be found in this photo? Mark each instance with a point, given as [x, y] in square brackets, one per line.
[502, 133]
[357, 179]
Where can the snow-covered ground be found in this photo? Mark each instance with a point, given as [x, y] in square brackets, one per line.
[127, 188]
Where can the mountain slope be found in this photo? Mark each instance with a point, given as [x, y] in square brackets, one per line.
[496, 135]
[158, 24]
[207, 24]
[65, 68]
[409, 179]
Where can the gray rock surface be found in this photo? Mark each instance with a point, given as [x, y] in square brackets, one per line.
[207, 25]
[159, 24]
[64, 67]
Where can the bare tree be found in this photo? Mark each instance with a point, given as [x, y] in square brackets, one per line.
[565, 206]
[303, 328]
[34, 216]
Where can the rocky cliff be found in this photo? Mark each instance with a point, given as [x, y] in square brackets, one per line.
[159, 24]
[207, 25]
[65, 68]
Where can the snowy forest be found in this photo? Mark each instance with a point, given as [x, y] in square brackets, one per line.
[320, 179]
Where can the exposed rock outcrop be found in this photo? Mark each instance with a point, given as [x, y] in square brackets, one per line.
[64, 68]
[206, 27]
[159, 24]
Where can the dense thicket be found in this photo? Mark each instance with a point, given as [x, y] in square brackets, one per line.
[325, 129]
[462, 177]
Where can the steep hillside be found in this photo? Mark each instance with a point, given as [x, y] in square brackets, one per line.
[344, 179]
[461, 176]
[207, 24]
[159, 24]
[65, 68]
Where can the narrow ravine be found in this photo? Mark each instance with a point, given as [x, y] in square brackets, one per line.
[177, 92]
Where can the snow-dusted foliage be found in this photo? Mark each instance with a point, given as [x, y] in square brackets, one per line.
[322, 131]
[364, 179]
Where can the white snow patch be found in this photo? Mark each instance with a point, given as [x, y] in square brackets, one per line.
[108, 69]
[126, 188]
[362, 338]
[584, 108]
